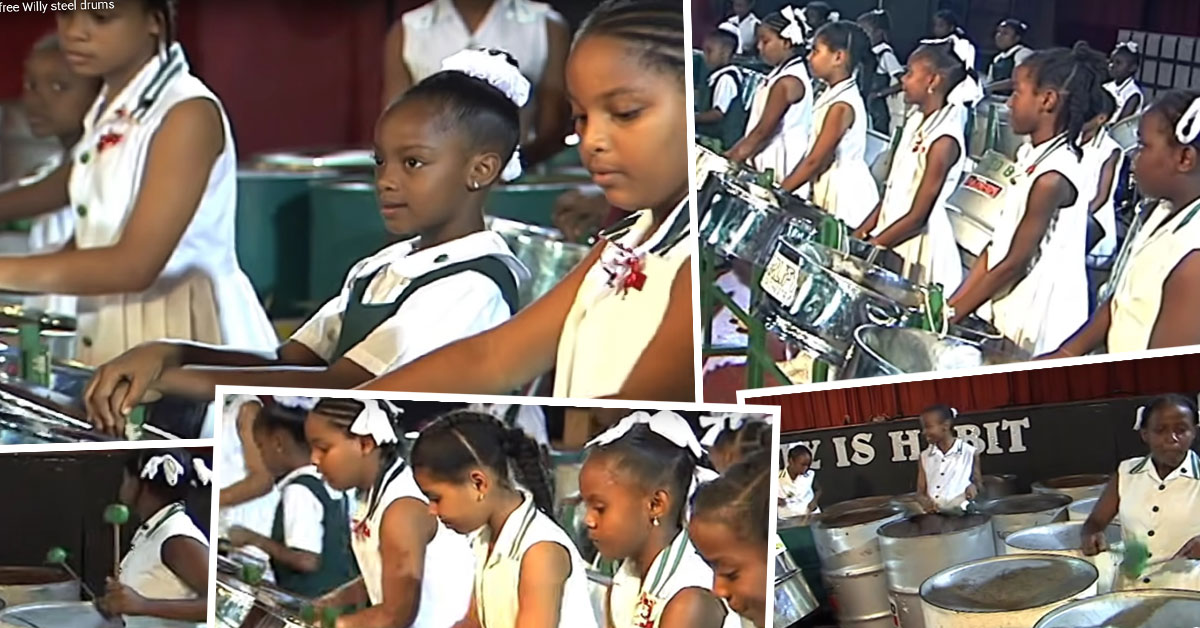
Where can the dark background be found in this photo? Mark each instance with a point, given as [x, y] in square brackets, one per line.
[59, 499]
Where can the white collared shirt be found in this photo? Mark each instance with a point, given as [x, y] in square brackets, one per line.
[797, 493]
[1019, 53]
[497, 576]
[438, 314]
[637, 604]
[1162, 513]
[303, 513]
[724, 88]
[948, 474]
[747, 32]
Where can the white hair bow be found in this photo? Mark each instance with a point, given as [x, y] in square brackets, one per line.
[665, 423]
[297, 403]
[492, 67]
[203, 473]
[793, 32]
[1188, 128]
[373, 421]
[717, 423]
[1141, 416]
[834, 16]
[954, 412]
[728, 27]
[1131, 46]
[171, 468]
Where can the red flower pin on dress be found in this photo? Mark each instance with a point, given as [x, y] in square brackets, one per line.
[625, 268]
[362, 531]
[112, 138]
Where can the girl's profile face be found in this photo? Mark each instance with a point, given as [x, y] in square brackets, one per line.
[632, 123]
[100, 41]
[55, 98]
[1121, 66]
[270, 447]
[340, 457]
[823, 60]
[618, 515]
[422, 168]
[739, 567]
[942, 28]
[1158, 159]
[1006, 37]
[917, 80]
[1026, 102]
[772, 47]
[456, 504]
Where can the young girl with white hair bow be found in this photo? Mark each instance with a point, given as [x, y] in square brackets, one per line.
[637, 483]
[163, 579]
[412, 566]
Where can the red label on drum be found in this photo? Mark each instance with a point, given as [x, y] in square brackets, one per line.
[986, 187]
[895, 612]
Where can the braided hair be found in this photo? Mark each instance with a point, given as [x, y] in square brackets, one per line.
[849, 37]
[943, 412]
[740, 499]
[1173, 105]
[136, 461]
[776, 22]
[168, 13]
[457, 442]
[746, 440]
[289, 420]
[1075, 74]
[1171, 400]
[945, 63]
[655, 462]
[653, 27]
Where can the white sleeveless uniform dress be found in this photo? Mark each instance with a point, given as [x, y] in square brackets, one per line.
[1095, 153]
[201, 294]
[436, 30]
[1123, 92]
[634, 603]
[1050, 303]
[607, 329]
[948, 473]
[846, 189]
[445, 593]
[48, 233]
[932, 256]
[1161, 513]
[789, 143]
[497, 577]
[143, 569]
[1158, 247]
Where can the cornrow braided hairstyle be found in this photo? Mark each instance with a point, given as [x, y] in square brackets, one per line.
[753, 437]
[777, 22]
[1173, 105]
[1169, 400]
[849, 37]
[653, 27]
[655, 462]
[944, 62]
[456, 443]
[276, 417]
[740, 499]
[1076, 75]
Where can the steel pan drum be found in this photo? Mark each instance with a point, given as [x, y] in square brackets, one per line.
[26, 585]
[708, 161]
[744, 221]
[992, 130]
[1076, 487]
[1128, 609]
[879, 156]
[56, 615]
[1125, 132]
[976, 204]
[810, 304]
[1064, 539]
[879, 350]
[235, 600]
[793, 599]
[1005, 591]
[543, 252]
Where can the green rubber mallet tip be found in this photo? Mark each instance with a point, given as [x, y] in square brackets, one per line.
[56, 556]
[137, 416]
[330, 616]
[1137, 556]
[308, 613]
[116, 514]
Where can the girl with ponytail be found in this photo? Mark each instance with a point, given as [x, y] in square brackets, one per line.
[488, 480]
[1033, 272]
[163, 581]
[408, 560]
[836, 166]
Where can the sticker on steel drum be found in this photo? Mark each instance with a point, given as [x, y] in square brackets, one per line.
[781, 279]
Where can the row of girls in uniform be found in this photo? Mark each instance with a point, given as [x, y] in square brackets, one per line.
[148, 175]
[475, 492]
[1032, 281]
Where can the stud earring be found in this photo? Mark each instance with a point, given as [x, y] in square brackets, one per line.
[474, 185]
[654, 521]
[479, 497]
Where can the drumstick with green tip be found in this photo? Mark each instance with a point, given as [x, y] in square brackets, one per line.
[58, 556]
[117, 515]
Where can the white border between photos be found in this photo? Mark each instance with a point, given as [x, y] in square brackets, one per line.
[749, 396]
[690, 99]
[563, 402]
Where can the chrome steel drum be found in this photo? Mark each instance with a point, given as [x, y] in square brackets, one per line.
[235, 600]
[871, 267]
[793, 599]
[882, 350]
[542, 251]
[345, 161]
[708, 161]
[1075, 486]
[852, 564]
[992, 129]
[810, 304]
[56, 615]
[1018, 512]
[1125, 132]
[879, 156]
[1128, 609]
[744, 221]
[998, 485]
[976, 204]
[1065, 539]
[1005, 591]
[25, 585]
[1081, 509]
[860, 503]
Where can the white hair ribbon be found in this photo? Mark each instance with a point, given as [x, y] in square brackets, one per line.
[203, 473]
[171, 469]
[1141, 416]
[834, 16]
[1188, 128]
[373, 421]
[793, 32]
[968, 91]
[665, 423]
[717, 423]
[1131, 46]
[495, 69]
[954, 412]
[730, 28]
[297, 403]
